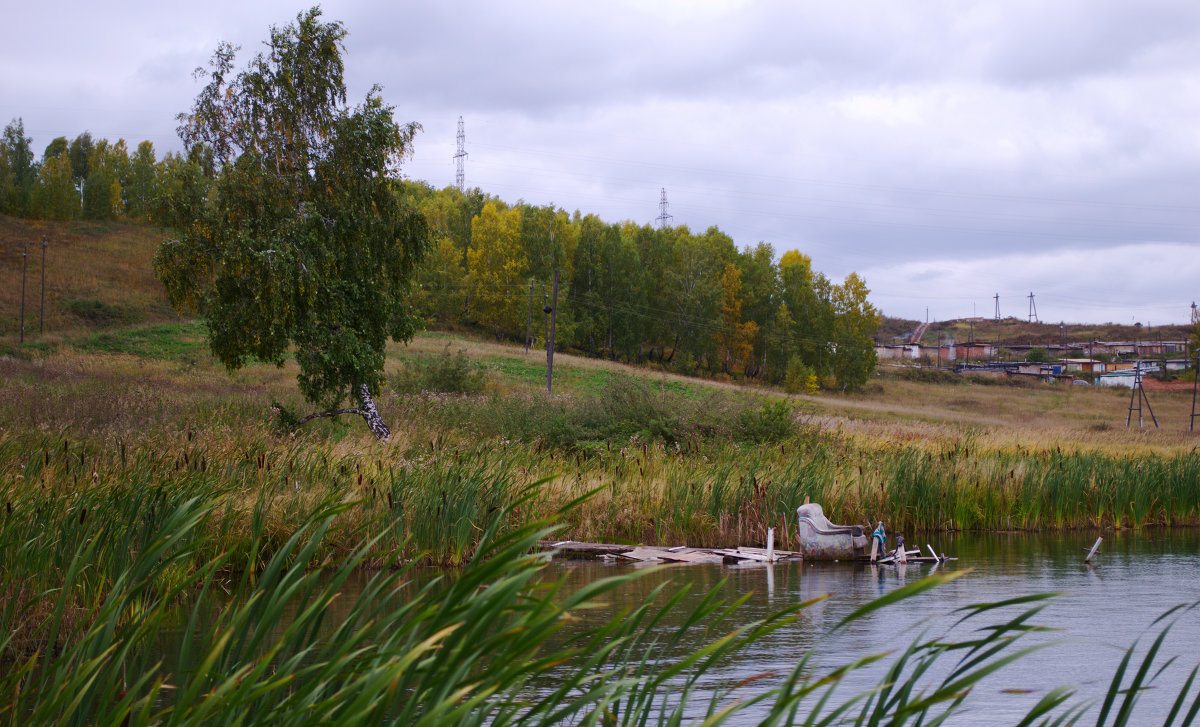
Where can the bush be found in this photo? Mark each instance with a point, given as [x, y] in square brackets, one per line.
[444, 373]
[800, 379]
[771, 422]
[627, 408]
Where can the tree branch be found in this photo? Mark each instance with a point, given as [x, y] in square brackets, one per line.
[333, 413]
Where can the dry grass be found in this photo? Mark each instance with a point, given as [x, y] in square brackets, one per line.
[97, 274]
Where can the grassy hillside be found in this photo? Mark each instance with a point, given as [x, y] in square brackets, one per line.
[1012, 331]
[98, 275]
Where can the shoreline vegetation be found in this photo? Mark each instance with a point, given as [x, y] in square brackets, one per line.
[135, 592]
[665, 461]
[138, 479]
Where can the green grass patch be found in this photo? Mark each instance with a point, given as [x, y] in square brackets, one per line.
[99, 313]
[28, 350]
[163, 341]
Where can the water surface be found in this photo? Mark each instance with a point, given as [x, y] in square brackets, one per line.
[1103, 609]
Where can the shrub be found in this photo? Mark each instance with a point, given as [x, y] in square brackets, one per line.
[770, 422]
[444, 373]
[800, 379]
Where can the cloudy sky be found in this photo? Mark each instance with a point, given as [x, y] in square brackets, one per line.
[946, 151]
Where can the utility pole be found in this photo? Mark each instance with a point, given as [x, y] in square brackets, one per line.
[42, 308]
[460, 157]
[553, 311]
[529, 319]
[1032, 309]
[663, 217]
[24, 255]
[1195, 384]
[939, 359]
[1139, 393]
[997, 297]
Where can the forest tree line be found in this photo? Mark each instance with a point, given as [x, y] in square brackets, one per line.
[692, 302]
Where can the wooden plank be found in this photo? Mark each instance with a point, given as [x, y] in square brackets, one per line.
[695, 556]
[571, 546]
[644, 554]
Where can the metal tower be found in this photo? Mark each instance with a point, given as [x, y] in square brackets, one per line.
[460, 157]
[663, 217]
[997, 297]
[1032, 310]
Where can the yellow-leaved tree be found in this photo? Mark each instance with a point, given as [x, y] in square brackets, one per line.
[497, 270]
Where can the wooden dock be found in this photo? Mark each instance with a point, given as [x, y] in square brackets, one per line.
[684, 554]
[659, 554]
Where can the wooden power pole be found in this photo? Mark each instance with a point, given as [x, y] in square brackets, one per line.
[550, 338]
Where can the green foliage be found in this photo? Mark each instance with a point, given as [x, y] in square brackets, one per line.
[773, 421]
[623, 409]
[800, 379]
[1037, 355]
[18, 171]
[446, 373]
[151, 601]
[98, 313]
[304, 240]
[170, 341]
[55, 197]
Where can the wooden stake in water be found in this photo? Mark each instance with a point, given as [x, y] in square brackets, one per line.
[1095, 547]
[770, 545]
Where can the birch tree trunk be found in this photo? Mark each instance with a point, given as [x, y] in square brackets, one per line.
[371, 414]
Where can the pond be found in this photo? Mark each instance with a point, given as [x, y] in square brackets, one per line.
[1104, 608]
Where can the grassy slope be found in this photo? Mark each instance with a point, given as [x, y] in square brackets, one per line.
[88, 361]
[98, 275]
[1013, 331]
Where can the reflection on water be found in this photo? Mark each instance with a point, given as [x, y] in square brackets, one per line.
[1104, 608]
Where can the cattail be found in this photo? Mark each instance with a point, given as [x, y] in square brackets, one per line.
[82, 515]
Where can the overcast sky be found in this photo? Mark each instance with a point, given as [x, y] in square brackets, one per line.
[946, 151]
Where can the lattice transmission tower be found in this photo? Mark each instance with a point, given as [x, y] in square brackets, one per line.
[460, 157]
[663, 216]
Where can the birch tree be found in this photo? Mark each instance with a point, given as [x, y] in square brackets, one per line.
[304, 243]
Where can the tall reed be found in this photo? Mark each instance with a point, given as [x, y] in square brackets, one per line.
[281, 645]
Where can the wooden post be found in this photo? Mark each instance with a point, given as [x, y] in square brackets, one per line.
[24, 255]
[550, 338]
[1095, 547]
[1195, 383]
[770, 545]
[42, 309]
[529, 318]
